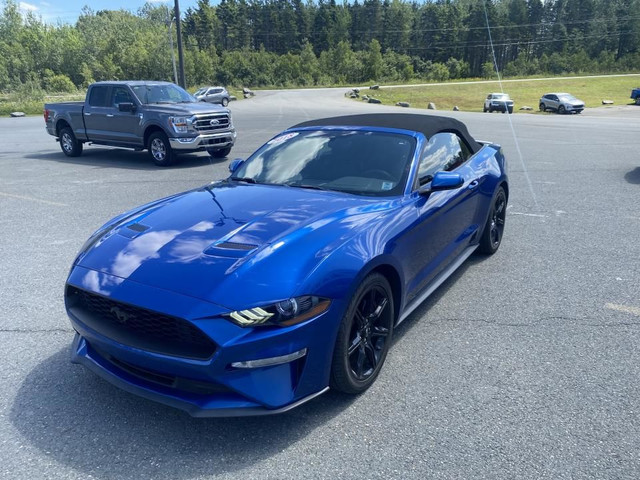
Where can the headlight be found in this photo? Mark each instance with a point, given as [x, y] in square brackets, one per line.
[179, 124]
[284, 313]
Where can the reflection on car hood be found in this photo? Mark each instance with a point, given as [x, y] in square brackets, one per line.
[210, 242]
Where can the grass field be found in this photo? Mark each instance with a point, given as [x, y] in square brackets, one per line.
[470, 96]
[33, 106]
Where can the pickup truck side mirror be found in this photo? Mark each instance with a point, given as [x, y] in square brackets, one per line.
[235, 164]
[127, 107]
[442, 181]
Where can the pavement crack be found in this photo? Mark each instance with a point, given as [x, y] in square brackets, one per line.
[36, 330]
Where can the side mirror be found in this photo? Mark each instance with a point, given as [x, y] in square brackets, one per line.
[126, 107]
[235, 164]
[443, 181]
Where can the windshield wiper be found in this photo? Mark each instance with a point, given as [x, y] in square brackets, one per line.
[303, 185]
[244, 179]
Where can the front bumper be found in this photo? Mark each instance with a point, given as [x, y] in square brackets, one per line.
[209, 387]
[211, 140]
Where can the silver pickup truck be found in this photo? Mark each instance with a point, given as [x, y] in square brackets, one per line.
[158, 116]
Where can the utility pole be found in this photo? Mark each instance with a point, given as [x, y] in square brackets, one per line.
[179, 33]
[173, 54]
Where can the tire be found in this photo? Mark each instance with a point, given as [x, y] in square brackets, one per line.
[510, 109]
[494, 228]
[561, 110]
[160, 149]
[637, 100]
[69, 144]
[490, 110]
[225, 101]
[219, 153]
[484, 109]
[364, 336]
[543, 107]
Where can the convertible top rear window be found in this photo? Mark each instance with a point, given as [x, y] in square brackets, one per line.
[353, 161]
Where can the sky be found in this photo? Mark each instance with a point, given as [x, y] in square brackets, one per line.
[67, 11]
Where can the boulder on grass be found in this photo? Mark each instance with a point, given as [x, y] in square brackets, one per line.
[17, 114]
[607, 102]
[526, 107]
[365, 98]
[431, 106]
[248, 92]
[232, 98]
[403, 104]
[456, 109]
[374, 87]
[373, 100]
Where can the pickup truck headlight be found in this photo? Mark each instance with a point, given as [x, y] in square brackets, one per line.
[284, 313]
[179, 124]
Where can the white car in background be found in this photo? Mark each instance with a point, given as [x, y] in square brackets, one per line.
[498, 101]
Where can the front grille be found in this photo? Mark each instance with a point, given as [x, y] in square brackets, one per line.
[211, 123]
[139, 327]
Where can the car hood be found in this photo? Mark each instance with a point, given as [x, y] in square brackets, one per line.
[196, 108]
[231, 244]
[574, 101]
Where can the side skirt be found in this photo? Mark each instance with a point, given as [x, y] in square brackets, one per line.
[439, 280]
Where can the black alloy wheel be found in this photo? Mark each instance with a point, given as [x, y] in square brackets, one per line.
[494, 228]
[219, 153]
[225, 101]
[543, 108]
[69, 144]
[364, 336]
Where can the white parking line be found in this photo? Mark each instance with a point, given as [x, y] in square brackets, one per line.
[33, 199]
[623, 308]
[528, 214]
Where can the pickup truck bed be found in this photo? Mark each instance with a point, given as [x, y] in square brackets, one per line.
[157, 116]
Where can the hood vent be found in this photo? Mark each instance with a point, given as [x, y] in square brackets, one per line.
[138, 227]
[236, 246]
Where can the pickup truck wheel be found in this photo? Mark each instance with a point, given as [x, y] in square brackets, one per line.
[220, 153]
[637, 100]
[69, 144]
[225, 101]
[160, 149]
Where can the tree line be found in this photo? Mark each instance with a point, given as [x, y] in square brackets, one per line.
[291, 42]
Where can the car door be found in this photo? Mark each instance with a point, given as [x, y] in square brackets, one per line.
[446, 220]
[123, 126]
[95, 113]
[554, 102]
[214, 95]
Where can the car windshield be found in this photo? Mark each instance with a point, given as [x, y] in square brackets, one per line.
[200, 91]
[567, 98]
[163, 93]
[353, 161]
[501, 96]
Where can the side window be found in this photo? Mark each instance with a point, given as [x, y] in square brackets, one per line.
[489, 97]
[120, 95]
[210, 91]
[98, 96]
[444, 151]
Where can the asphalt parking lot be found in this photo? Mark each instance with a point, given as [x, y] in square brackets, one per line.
[522, 365]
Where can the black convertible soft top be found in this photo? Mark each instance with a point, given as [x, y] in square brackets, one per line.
[428, 125]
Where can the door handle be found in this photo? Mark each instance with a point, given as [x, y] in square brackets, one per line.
[109, 114]
[87, 114]
[473, 185]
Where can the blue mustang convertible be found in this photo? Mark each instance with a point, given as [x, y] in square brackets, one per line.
[255, 294]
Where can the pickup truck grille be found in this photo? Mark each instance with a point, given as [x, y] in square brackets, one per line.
[211, 123]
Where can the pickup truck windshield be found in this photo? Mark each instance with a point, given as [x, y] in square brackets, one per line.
[161, 94]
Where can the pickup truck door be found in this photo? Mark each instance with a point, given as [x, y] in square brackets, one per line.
[123, 127]
[95, 113]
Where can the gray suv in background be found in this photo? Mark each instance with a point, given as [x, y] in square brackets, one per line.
[498, 101]
[213, 95]
[561, 103]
